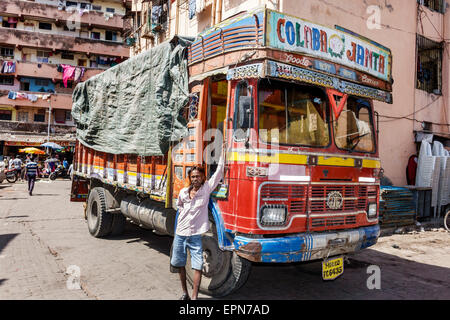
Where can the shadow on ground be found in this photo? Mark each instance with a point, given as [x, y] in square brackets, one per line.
[5, 239]
[400, 279]
[133, 233]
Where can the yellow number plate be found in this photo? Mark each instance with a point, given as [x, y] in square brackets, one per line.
[333, 268]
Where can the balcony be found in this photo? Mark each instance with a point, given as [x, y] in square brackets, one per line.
[35, 11]
[35, 128]
[32, 39]
[57, 100]
[47, 71]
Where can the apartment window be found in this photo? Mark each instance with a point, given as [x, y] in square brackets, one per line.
[60, 116]
[85, 6]
[7, 52]
[95, 35]
[429, 65]
[8, 24]
[45, 26]
[81, 62]
[39, 116]
[93, 64]
[7, 80]
[110, 10]
[71, 4]
[42, 56]
[435, 5]
[111, 36]
[6, 115]
[68, 115]
[96, 8]
[41, 82]
[22, 116]
[25, 86]
[68, 56]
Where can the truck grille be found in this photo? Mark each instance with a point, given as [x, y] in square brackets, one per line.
[294, 196]
[301, 199]
[350, 202]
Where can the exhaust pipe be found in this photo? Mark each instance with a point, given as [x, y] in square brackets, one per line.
[150, 214]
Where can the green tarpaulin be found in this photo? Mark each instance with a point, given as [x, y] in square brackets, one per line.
[135, 107]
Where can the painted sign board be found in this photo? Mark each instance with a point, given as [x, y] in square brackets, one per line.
[285, 71]
[292, 34]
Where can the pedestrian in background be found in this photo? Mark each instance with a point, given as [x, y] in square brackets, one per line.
[31, 170]
[17, 162]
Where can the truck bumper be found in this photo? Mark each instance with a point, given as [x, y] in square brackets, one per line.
[306, 246]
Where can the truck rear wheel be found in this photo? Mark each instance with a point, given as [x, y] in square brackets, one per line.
[98, 219]
[224, 272]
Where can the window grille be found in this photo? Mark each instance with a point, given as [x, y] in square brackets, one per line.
[435, 5]
[429, 65]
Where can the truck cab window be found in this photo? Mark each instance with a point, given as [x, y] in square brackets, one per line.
[292, 114]
[353, 130]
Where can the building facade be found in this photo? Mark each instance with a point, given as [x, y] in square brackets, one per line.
[416, 32]
[46, 47]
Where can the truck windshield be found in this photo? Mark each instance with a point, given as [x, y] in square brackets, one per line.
[353, 129]
[292, 114]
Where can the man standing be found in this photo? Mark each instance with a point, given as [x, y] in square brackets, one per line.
[31, 171]
[192, 222]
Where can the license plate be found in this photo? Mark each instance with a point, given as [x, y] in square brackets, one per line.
[332, 268]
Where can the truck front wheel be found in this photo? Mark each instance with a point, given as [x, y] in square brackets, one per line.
[98, 219]
[223, 271]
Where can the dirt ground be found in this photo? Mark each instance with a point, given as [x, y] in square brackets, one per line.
[430, 247]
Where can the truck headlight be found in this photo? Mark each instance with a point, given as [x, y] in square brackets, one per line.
[372, 210]
[273, 215]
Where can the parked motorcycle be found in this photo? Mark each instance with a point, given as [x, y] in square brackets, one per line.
[11, 175]
[60, 171]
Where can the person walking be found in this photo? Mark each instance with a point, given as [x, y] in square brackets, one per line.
[17, 162]
[192, 222]
[31, 171]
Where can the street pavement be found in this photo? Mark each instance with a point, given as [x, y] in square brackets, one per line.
[46, 252]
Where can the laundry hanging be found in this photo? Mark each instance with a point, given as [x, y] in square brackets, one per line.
[8, 67]
[192, 8]
[78, 75]
[12, 95]
[68, 73]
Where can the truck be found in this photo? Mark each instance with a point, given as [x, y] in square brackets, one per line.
[290, 102]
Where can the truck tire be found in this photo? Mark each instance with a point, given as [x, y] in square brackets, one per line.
[98, 219]
[224, 272]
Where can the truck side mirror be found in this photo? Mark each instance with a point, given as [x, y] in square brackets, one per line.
[245, 112]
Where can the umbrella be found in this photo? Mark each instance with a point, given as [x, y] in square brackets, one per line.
[51, 145]
[32, 150]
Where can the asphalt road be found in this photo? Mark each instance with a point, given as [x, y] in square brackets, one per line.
[46, 252]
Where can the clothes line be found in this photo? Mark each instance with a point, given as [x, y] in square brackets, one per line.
[14, 95]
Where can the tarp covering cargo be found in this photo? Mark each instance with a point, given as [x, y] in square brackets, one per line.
[136, 106]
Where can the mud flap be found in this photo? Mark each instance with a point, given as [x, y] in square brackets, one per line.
[80, 189]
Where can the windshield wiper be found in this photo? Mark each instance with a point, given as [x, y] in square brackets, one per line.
[359, 140]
